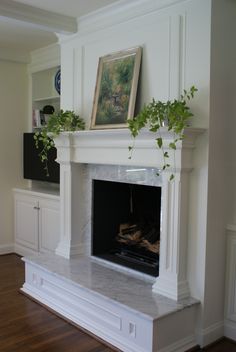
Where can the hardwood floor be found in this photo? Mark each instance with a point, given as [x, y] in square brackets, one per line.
[26, 326]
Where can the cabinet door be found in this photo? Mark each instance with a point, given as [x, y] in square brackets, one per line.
[49, 225]
[26, 221]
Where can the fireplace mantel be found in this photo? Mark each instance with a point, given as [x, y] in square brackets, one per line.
[110, 147]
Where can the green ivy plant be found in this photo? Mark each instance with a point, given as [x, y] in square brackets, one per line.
[58, 122]
[172, 114]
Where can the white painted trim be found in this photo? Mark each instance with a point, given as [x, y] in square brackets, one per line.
[210, 334]
[45, 58]
[181, 345]
[117, 13]
[22, 250]
[6, 248]
[106, 319]
[231, 227]
[230, 329]
[38, 18]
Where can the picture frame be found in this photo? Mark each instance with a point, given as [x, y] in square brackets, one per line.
[116, 89]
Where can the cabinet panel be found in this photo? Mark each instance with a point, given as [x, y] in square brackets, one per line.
[49, 229]
[37, 225]
[26, 222]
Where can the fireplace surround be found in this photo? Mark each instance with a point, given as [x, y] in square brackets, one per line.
[120, 305]
[87, 155]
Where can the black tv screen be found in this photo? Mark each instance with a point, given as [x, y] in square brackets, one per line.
[33, 167]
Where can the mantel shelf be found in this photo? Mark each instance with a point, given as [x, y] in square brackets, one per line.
[111, 147]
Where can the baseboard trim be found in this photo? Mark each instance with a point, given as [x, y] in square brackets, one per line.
[230, 329]
[182, 345]
[7, 248]
[210, 334]
[23, 251]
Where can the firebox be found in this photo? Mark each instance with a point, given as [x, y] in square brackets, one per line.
[126, 221]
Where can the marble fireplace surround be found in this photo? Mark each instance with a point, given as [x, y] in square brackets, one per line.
[103, 154]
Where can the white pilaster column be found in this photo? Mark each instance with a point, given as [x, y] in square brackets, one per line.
[72, 202]
[172, 280]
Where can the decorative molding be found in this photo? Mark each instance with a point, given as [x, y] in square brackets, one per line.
[120, 12]
[129, 329]
[111, 147]
[184, 344]
[231, 227]
[7, 248]
[230, 329]
[117, 13]
[22, 250]
[210, 334]
[45, 58]
[38, 18]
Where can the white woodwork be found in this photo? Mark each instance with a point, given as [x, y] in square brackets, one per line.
[49, 225]
[117, 323]
[230, 284]
[37, 17]
[36, 221]
[177, 52]
[110, 147]
[26, 221]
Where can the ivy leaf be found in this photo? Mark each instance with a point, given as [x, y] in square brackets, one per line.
[171, 177]
[172, 145]
[159, 142]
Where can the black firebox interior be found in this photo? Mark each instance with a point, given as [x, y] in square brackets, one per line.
[126, 224]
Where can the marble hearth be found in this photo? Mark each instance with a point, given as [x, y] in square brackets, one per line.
[140, 313]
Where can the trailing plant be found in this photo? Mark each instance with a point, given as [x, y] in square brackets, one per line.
[58, 122]
[172, 114]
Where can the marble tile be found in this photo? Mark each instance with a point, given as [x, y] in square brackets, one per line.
[120, 288]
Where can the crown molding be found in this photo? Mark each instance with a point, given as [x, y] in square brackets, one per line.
[38, 18]
[120, 12]
[115, 14]
[13, 55]
[44, 58]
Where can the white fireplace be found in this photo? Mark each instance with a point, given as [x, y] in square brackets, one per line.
[131, 310]
[103, 155]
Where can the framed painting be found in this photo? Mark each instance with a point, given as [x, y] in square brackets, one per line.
[116, 89]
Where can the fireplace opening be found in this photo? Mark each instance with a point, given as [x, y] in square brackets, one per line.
[126, 224]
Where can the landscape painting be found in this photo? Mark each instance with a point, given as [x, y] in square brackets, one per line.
[116, 88]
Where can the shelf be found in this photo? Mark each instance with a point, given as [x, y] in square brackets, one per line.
[55, 98]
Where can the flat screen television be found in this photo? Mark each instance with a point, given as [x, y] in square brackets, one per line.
[32, 165]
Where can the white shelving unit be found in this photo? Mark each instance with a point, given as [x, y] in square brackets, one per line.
[43, 90]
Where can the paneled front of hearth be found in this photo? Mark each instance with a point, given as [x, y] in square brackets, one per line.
[115, 306]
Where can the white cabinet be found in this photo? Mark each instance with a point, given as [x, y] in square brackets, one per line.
[36, 221]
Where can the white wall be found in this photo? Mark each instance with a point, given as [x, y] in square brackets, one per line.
[13, 121]
[177, 39]
[221, 154]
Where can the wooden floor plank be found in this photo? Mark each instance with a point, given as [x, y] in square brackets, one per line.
[27, 326]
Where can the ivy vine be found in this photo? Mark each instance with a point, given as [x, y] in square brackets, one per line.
[174, 114]
[58, 122]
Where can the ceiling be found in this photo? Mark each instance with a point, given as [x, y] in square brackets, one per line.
[26, 25]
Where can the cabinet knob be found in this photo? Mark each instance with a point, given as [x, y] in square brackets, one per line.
[37, 208]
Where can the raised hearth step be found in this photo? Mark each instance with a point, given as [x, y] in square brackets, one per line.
[118, 307]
